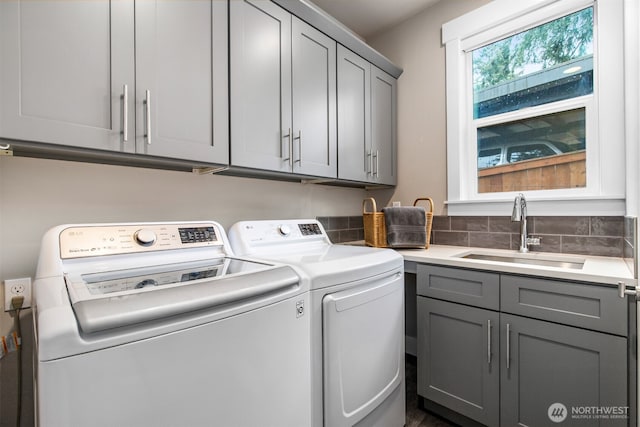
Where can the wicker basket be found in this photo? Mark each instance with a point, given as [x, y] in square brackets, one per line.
[375, 229]
[429, 215]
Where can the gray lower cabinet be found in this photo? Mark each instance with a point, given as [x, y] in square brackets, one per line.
[502, 349]
[283, 92]
[367, 101]
[458, 354]
[545, 363]
[144, 77]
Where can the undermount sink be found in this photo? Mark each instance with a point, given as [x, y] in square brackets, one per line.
[529, 259]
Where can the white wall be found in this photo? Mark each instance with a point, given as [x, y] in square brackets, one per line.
[416, 46]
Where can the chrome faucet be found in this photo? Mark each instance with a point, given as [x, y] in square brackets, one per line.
[520, 214]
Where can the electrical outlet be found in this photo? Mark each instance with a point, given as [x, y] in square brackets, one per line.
[17, 288]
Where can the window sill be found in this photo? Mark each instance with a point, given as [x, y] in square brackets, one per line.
[590, 206]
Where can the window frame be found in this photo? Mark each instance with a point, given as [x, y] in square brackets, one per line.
[604, 109]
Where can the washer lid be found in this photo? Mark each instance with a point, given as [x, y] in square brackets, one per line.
[113, 299]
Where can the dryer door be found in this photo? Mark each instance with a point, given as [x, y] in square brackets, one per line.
[363, 336]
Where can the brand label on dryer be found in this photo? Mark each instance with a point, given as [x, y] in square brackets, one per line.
[300, 308]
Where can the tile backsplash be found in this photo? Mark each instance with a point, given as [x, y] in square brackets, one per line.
[343, 228]
[584, 235]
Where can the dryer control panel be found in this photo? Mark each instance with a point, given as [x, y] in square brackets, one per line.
[248, 236]
[99, 240]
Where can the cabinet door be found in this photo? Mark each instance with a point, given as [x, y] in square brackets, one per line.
[383, 134]
[63, 66]
[354, 116]
[544, 363]
[181, 66]
[458, 365]
[260, 81]
[314, 102]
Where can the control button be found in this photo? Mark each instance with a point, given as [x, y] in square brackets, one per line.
[145, 237]
[284, 230]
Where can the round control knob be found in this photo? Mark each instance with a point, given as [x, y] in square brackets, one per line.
[284, 230]
[145, 237]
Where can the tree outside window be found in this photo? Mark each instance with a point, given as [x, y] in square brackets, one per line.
[544, 65]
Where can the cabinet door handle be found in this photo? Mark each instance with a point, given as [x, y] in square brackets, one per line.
[508, 347]
[125, 113]
[375, 171]
[489, 342]
[370, 156]
[623, 291]
[299, 138]
[290, 146]
[147, 103]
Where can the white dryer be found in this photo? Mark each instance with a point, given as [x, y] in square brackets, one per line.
[158, 324]
[357, 319]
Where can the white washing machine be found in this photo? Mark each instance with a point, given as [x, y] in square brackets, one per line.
[357, 319]
[157, 324]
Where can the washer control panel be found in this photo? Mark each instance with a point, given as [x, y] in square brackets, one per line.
[99, 240]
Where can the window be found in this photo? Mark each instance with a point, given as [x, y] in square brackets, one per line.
[543, 65]
[535, 104]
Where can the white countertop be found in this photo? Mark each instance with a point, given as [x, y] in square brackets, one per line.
[605, 270]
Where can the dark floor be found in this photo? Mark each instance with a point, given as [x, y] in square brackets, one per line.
[417, 417]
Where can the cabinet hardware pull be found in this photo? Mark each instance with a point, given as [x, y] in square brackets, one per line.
[125, 113]
[375, 171]
[299, 138]
[623, 291]
[489, 342]
[147, 103]
[508, 347]
[290, 146]
[370, 156]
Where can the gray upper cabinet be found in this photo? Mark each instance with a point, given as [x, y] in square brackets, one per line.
[354, 117]
[367, 99]
[384, 93]
[314, 102]
[77, 74]
[181, 79]
[260, 84]
[282, 92]
[63, 65]
[250, 83]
